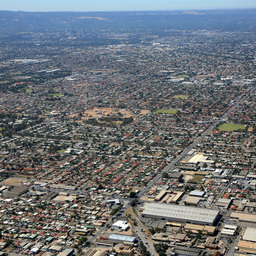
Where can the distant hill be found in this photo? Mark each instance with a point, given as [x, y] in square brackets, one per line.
[95, 22]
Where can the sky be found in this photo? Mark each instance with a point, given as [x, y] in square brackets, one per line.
[122, 5]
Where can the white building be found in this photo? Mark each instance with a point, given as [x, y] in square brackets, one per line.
[121, 225]
[180, 213]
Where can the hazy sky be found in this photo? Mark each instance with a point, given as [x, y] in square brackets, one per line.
[122, 5]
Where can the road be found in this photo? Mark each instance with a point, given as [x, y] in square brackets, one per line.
[140, 231]
[232, 247]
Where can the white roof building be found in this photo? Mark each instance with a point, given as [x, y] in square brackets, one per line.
[121, 224]
[197, 193]
[250, 235]
[180, 213]
[122, 238]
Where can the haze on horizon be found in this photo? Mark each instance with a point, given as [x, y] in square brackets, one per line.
[122, 5]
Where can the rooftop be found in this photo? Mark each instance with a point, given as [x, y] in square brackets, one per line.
[180, 213]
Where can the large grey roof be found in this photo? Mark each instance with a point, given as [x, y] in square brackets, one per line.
[197, 193]
[180, 213]
[122, 238]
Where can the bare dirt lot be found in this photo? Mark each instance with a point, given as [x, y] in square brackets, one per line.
[101, 112]
[14, 181]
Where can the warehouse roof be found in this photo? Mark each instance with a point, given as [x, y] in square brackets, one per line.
[197, 193]
[180, 213]
[250, 235]
[122, 238]
[17, 191]
[247, 246]
[203, 228]
[243, 217]
[121, 224]
[192, 200]
[200, 158]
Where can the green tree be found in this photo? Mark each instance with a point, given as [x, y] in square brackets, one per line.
[134, 202]
[165, 175]
[132, 194]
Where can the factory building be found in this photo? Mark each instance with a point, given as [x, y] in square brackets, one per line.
[178, 213]
[122, 225]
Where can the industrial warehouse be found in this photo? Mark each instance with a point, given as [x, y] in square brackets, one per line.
[180, 213]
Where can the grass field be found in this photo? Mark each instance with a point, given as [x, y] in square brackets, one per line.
[180, 97]
[61, 151]
[180, 76]
[229, 127]
[166, 111]
[196, 179]
[131, 212]
[54, 95]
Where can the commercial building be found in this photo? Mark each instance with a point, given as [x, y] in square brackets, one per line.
[121, 225]
[224, 203]
[122, 238]
[243, 217]
[17, 191]
[169, 196]
[194, 228]
[192, 200]
[185, 251]
[93, 252]
[167, 237]
[200, 158]
[161, 195]
[113, 201]
[66, 252]
[197, 193]
[179, 213]
[212, 243]
[250, 235]
[228, 230]
[247, 247]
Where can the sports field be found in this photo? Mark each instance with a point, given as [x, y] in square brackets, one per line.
[166, 111]
[180, 97]
[229, 127]
[55, 95]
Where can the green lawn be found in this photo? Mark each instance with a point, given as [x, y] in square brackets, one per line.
[180, 97]
[54, 95]
[229, 127]
[61, 151]
[166, 111]
[181, 76]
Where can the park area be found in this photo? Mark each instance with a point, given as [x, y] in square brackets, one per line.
[166, 111]
[180, 97]
[229, 127]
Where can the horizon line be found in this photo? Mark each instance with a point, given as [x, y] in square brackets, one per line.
[170, 10]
